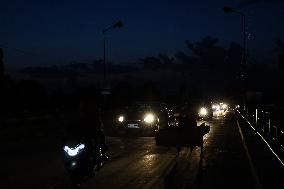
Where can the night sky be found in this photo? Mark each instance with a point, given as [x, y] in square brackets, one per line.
[51, 32]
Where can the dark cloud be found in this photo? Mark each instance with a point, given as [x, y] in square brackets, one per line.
[250, 2]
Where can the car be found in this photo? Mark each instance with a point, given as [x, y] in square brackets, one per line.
[220, 109]
[146, 117]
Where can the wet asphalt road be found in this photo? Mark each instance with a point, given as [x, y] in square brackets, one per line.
[136, 162]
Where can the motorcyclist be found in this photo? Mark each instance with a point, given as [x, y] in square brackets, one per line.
[91, 124]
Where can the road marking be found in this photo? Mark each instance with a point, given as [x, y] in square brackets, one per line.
[252, 168]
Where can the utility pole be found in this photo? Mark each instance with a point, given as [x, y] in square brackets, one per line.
[2, 70]
[1, 84]
[118, 24]
[243, 64]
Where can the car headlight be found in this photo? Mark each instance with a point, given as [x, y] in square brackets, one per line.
[203, 111]
[224, 106]
[74, 151]
[217, 108]
[149, 118]
[121, 119]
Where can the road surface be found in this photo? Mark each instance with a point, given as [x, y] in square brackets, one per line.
[225, 161]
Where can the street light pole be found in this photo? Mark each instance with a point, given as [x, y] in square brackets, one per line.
[245, 40]
[104, 59]
[116, 25]
[244, 54]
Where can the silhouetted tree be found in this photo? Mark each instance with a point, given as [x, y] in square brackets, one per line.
[279, 46]
[148, 91]
[151, 63]
[233, 68]
[205, 61]
[208, 52]
[77, 66]
[279, 49]
[123, 94]
[234, 54]
[188, 62]
[167, 62]
[1, 67]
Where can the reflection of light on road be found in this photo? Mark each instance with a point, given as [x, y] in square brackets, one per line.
[149, 161]
[219, 113]
[205, 137]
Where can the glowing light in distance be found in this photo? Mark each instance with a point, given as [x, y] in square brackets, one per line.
[203, 111]
[224, 106]
[217, 108]
[149, 118]
[121, 119]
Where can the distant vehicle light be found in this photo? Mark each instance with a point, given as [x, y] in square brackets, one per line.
[121, 119]
[203, 111]
[149, 118]
[224, 106]
[176, 114]
[217, 108]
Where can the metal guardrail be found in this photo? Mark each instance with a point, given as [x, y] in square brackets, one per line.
[264, 122]
[272, 135]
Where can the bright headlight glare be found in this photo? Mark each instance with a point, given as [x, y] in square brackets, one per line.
[74, 151]
[203, 111]
[149, 118]
[120, 118]
[217, 107]
[224, 106]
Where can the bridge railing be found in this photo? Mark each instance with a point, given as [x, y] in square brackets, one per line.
[269, 123]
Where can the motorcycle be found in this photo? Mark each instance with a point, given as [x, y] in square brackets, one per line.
[82, 158]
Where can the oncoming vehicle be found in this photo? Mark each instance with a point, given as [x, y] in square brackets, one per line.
[224, 107]
[220, 109]
[205, 113]
[140, 117]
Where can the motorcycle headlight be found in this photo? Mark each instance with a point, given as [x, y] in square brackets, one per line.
[149, 118]
[121, 119]
[203, 111]
[74, 151]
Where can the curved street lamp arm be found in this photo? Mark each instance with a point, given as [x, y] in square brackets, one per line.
[118, 24]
